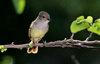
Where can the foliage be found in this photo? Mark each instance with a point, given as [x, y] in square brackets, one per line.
[19, 5]
[81, 23]
[95, 28]
[2, 49]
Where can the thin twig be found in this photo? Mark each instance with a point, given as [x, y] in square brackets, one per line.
[72, 36]
[89, 36]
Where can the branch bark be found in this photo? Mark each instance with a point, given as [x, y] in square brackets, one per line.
[61, 43]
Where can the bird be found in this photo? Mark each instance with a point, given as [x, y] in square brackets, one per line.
[37, 30]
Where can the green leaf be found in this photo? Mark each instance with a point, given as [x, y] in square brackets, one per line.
[89, 19]
[80, 18]
[2, 49]
[19, 5]
[79, 24]
[95, 28]
[30, 44]
[97, 22]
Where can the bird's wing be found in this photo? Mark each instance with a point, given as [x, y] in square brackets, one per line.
[30, 28]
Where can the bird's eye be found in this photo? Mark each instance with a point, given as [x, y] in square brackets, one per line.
[43, 16]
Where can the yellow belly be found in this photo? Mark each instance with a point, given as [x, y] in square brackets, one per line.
[36, 34]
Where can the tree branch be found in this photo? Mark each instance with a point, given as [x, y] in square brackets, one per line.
[61, 43]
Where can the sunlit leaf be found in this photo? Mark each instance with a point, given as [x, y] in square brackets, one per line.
[89, 19]
[80, 18]
[79, 24]
[95, 28]
[3, 49]
[30, 44]
[19, 5]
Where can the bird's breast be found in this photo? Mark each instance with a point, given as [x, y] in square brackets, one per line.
[38, 31]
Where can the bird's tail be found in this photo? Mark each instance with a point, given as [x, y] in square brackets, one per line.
[33, 50]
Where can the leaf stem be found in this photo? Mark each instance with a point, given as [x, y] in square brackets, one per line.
[89, 36]
[72, 36]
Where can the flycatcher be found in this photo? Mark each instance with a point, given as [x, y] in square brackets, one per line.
[38, 29]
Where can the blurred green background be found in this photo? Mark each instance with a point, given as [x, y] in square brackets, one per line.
[14, 28]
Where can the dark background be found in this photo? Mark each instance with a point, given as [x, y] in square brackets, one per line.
[14, 28]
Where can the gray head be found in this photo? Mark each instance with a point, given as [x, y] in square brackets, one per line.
[44, 16]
